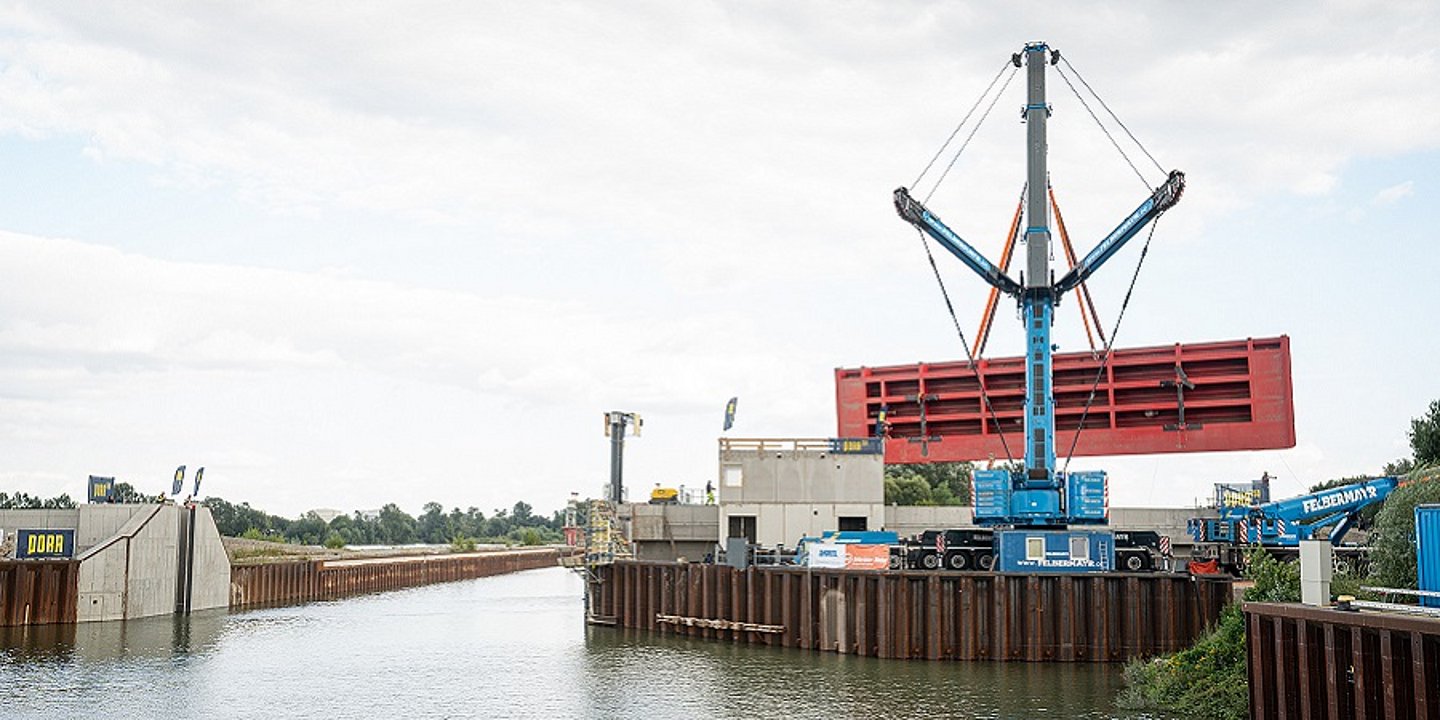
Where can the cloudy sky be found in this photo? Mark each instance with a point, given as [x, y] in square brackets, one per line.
[345, 254]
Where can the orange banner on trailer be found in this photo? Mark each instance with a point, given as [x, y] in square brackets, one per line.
[867, 557]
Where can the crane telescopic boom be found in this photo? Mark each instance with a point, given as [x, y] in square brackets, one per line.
[914, 212]
[1161, 200]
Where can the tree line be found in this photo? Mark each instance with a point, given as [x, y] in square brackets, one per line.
[928, 484]
[391, 525]
[26, 501]
[518, 525]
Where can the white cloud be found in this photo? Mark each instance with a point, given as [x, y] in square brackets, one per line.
[112, 309]
[624, 119]
[1393, 194]
[231, 359]
[676, 202]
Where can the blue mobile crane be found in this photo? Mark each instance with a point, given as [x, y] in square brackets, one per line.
[1032, 509]
[1249, 518]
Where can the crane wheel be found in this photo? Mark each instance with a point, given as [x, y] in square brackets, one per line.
[985, 560]
[930, 561]
[1134, 563]
[958, 561]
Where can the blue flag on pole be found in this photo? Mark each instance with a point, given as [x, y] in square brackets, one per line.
[730, 413]
[179, 480]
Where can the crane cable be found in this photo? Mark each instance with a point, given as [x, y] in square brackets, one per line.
[1110, 343]
[1112, 114]
[960, 125]
[1105, 130]
[970, 358]
[955, 158]
[925, 242]
[1105, 359]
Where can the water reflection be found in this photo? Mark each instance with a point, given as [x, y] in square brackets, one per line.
[508, 646]
[161, 637]
[628, 671]
[37, 642]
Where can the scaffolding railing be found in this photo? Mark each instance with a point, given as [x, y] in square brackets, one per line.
[605, 542]
[605, 538]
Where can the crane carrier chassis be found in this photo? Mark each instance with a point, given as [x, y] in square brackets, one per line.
[976, 549]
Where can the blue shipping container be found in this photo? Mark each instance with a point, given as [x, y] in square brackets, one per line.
[1085, 496]
[1427, 550]
[1055, 551]
[992, 493]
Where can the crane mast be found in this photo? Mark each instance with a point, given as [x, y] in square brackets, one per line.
[1039, 298]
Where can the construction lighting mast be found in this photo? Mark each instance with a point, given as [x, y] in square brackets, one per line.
[615, 424]
[1038, 495]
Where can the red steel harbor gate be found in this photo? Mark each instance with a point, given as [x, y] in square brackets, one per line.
[1239, 398]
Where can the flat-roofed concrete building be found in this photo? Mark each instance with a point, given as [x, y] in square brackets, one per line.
[777, 491]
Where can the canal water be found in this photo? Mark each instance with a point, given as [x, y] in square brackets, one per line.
[507, 646]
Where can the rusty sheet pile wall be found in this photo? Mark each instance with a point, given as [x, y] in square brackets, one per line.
[38, 592]
[1307, 662]
[303, 581]
[935, 616]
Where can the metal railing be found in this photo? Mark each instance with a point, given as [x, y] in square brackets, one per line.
[1398, 607]
[843, 445]
[763, 445]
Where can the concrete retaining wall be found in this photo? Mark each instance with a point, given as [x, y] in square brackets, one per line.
[12, 520]
[127, 565]
[136, 572]
[211, 584]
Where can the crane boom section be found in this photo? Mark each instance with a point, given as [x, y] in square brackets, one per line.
[915, 213]
[1159, 201]
[1328, 503]
[1285, 522]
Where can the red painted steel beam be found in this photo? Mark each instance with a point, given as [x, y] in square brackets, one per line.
[1242, 400]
